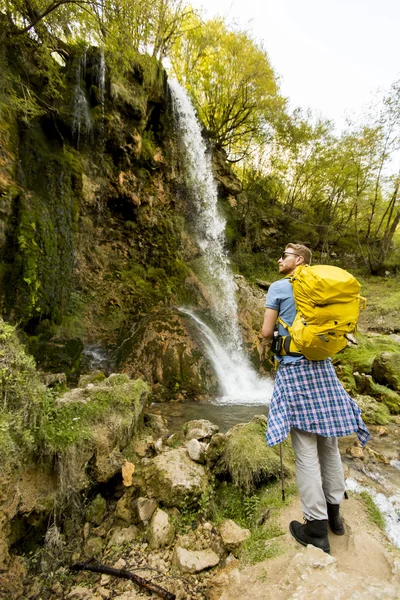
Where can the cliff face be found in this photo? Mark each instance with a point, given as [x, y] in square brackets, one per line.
[94, 211]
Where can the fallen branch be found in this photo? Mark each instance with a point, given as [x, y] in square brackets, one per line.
[140, 581]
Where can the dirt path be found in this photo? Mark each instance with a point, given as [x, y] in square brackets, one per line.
[362, 565]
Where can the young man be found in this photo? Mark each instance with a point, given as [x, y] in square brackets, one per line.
[309, 402]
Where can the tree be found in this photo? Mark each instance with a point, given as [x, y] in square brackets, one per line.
[231, 82]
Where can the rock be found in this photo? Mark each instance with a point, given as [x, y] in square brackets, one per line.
[96, 510]
[200, 429]
[196, 450]
[355, 452]
[103, 592]
[395, 337]
[145, 508]
[123, 535]
[12, 580]
[81, 593]
[264, 285]
[120, 564]
[386, 369]
[215, 449]
[93, 546]
[161, 532]
[124, 509]
[194, 561]
[163, 349]
[128, 470]
[373, 412]
[381, 431]
[157, 423]
[58, 355]
[52, 380]
[232, 535]
[174, 479]
[94, 377]
[227, 182]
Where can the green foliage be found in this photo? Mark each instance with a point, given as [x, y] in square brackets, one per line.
[246, 510]
[362, 356]
[231, 82]
[373, 511]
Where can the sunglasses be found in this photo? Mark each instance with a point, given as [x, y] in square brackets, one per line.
[285, 254]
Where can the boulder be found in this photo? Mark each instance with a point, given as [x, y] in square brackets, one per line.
[196, 450]
[373, 412]
[174, 479]
[386, 369]
[161, 531]
[232, 535]
[188, 561]
[164, 350]
[200, 429]
[60, 355]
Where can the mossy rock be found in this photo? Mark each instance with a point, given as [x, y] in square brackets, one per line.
[96, 510]
[247, 458]
[59, 355]
[372, 411]
[386, 369]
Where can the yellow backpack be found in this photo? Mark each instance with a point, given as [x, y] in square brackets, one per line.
[328, 305]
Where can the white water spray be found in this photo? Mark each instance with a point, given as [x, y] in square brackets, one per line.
[239, 384]
[238, 380]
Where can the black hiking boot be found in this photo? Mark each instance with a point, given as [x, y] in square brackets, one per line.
[312, 532]
[334, 518]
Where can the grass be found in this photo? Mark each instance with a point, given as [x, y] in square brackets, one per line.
[373, 511]
[247, 511]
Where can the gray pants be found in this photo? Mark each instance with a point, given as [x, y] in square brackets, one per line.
[319, 472]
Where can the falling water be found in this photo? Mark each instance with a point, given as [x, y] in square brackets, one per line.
[239, 384]
[82, 119]
[102, 86]
[237, 378]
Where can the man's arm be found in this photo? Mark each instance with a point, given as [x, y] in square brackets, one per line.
[270, 317]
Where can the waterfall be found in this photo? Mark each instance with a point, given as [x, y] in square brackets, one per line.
[102, 87]
[239, 383]
[82, 118]
[237, 378]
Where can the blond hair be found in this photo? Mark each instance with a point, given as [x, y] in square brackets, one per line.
[302, 251]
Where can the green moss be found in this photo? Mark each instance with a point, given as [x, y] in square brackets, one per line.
[362, 356]
[248, 459]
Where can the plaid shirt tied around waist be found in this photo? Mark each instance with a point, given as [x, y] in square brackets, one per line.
[309, 396]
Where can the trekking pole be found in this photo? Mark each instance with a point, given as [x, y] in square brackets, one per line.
[282, 476]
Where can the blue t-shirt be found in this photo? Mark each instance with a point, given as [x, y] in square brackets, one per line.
[280, 297]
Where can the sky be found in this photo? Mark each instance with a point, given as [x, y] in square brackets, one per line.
[331, 55]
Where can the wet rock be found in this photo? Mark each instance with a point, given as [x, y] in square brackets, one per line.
[96, 510]
[162, 531]
[194, 561]
[386, 369]
[61, 355]
[163, 350]
[157, 423]
[200, 429]
[174, 479]
[232, 535]
[355, 452]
